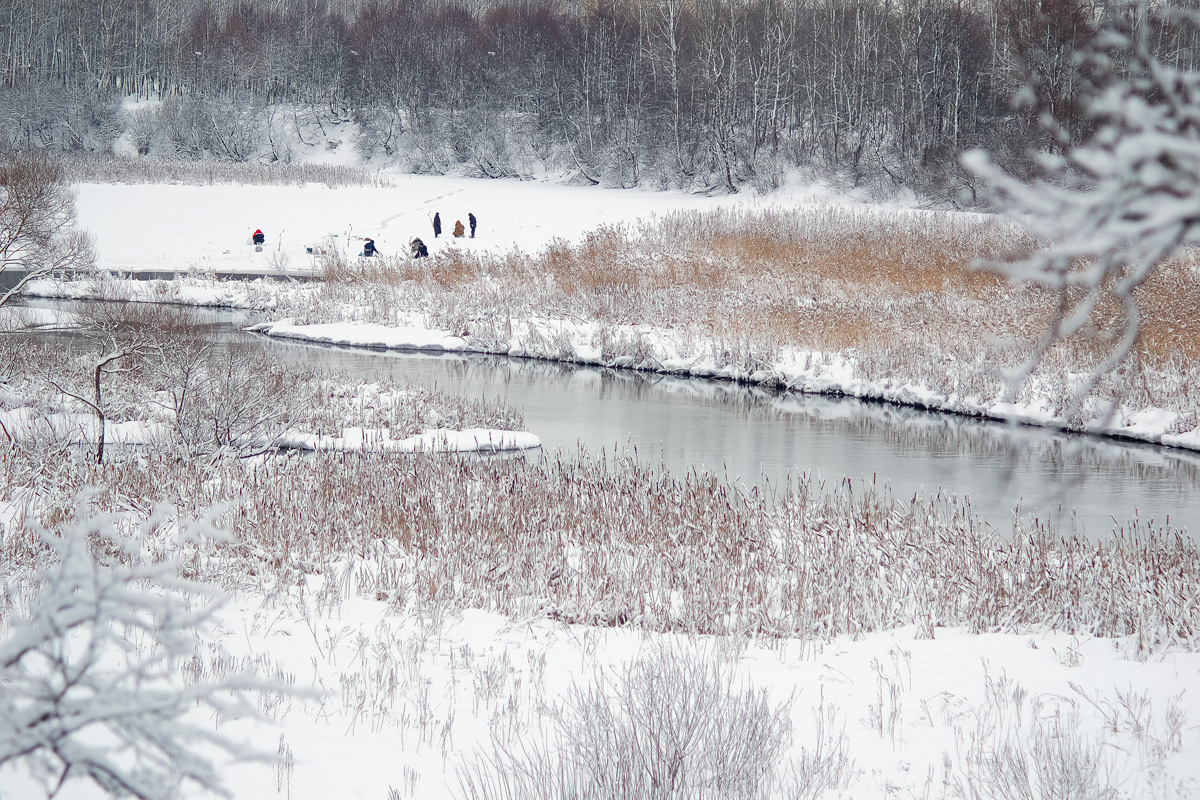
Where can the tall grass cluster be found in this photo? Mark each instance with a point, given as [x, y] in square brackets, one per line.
[107, 168]
[620, 543]
[904, 297]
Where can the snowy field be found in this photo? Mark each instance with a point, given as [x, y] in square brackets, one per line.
[176, 227]
[412, 705]
[422, 702]
[407, 697]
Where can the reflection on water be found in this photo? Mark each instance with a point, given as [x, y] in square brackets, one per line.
[759, 437]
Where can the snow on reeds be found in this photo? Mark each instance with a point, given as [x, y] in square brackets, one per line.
[620, 543]
[101, 168]
[586, 547]
[893, 295]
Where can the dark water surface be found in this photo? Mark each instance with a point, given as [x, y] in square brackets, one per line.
[759, 437]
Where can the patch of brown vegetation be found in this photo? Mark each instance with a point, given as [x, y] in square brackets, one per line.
[1169, 303]
[901, 289]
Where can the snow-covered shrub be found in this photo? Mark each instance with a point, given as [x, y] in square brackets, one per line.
[51, 117]
[142, 126]
[236, 127]
[381, 131]
[1032, 748]
[670, 726]
[228, 127]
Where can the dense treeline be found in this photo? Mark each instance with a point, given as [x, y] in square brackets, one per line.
[688, 93]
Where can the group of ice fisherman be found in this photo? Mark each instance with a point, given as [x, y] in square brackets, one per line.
[416, 246]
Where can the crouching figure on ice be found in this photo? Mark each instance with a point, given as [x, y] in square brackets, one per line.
[419, 250]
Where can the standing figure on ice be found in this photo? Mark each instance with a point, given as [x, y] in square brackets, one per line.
[437, 224]
[471, 222]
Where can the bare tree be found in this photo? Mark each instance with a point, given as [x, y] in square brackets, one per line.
[248, 401]
[232, 398]
[91, 679]
[37, 208]
[1122, 199]
[119, 334]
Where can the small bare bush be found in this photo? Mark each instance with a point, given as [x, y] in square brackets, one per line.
[1033, 749]
[671, 726]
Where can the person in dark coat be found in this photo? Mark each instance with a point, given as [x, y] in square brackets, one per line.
[471, 221]
[258, 237]
[369, 247]
[437, 224]
[419, 250]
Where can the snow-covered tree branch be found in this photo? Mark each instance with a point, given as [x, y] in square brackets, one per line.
[90, 680]
[1120, 199]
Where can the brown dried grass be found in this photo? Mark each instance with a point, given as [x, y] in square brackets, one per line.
[624, 544]
[903, 291]
[1169, 303]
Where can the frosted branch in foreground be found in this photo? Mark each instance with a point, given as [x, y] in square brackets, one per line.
[1118, 204]
[91, 684]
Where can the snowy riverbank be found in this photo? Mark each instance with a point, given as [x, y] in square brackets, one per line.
[196, 230]
[800, 371]
[659, 351]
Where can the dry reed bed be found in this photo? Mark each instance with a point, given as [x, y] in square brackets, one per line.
[893, 291]
[624, 544]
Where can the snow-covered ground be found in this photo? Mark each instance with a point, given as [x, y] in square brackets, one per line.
[411, 704]
[415, 700]
[407, 705]
[176, 227]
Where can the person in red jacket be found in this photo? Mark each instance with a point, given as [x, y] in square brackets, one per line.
[258, 237]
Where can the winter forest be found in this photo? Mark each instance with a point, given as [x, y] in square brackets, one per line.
[693, 94]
